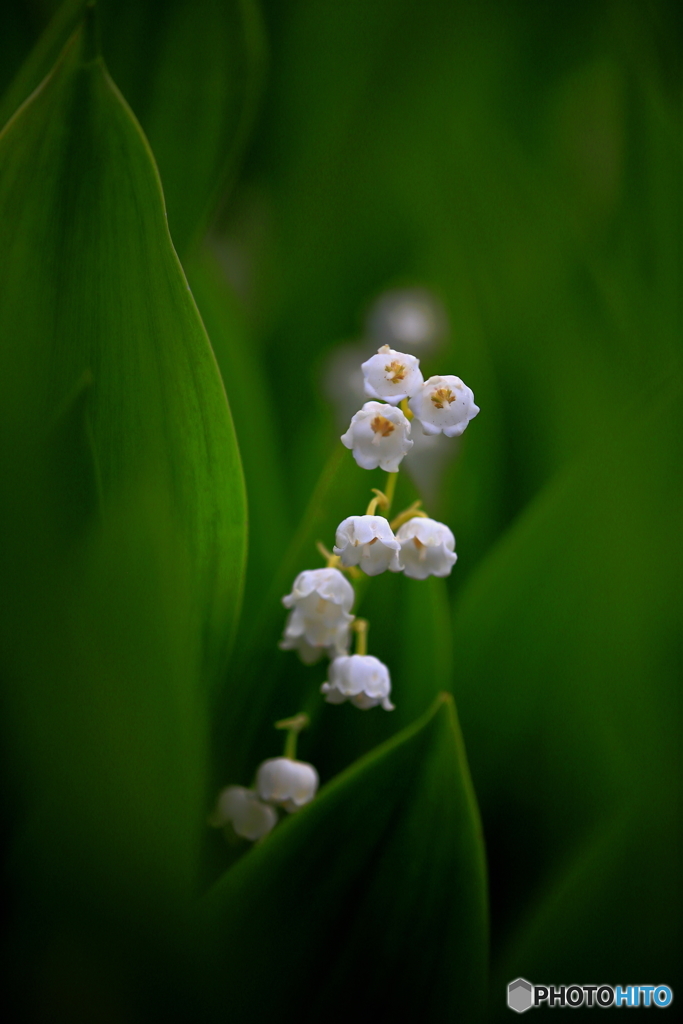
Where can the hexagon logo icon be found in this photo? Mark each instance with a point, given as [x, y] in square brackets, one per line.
[520, 995]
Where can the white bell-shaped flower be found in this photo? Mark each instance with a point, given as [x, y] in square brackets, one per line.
[391, 375]
[378, 435]
[427, 548]
[242, 809]
[443, 404]
[286, 782]
[309, 654]
[320, 601]
[360, 678]
[368, 541]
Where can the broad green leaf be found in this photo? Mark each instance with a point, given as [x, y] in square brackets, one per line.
[252, 395]
[91, 284]
[42, 57]
[369, 903]
[583, 903]
[568, 678]
[191, 71]
[104, 733]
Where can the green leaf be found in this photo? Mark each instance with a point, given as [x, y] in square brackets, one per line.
[92, 284]
[568, 683]
[252, 398]
[192, 72]
[42, 57]
[369, 903]
[584, 903]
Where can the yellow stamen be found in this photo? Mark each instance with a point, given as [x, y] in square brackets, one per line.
[395, 371]
[442, 395]
[382, 426]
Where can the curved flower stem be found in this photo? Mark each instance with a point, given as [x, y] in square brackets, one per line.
[390, 489]
[409, 513]
[409, 415]
[293, 726]
[360, 627]
[372, 507]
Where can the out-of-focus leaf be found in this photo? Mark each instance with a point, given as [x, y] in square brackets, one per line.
[568, 679]
[191, 71]
[91, 284]
[581, 923]
[252, 395]
[42, 57]
[368, 904]
[104, 733]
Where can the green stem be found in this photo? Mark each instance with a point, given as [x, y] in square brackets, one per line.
[360, 627]
[293, 726]
[390, 488]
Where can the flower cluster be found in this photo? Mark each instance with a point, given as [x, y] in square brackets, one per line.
[320, 621]
[379, 434]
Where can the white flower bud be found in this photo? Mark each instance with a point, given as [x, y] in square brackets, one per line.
[443, 404]
[379, 435]
[320, 601]
[281, 780]
[242, 809]
[360, 678]
[368, 541]
[427, 548]
[391, 375]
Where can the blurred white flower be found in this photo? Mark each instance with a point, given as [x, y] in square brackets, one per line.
[443, 404]
[320, 601]
[286, 782]
[360, 678]
[368, 541]
[391, 375]
[411, 318]
[242, 809]
[379, 435]
[427, 548]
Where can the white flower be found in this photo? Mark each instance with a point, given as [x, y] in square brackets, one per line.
[281, 780]
[443, 404]
[368, 541]
[379, 435]
[427, 548]
[320, 602]
[310, 653]
[391, 375]
[242, 809]
[360, 678]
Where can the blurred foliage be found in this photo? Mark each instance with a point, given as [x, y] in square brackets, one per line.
[522, 162]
